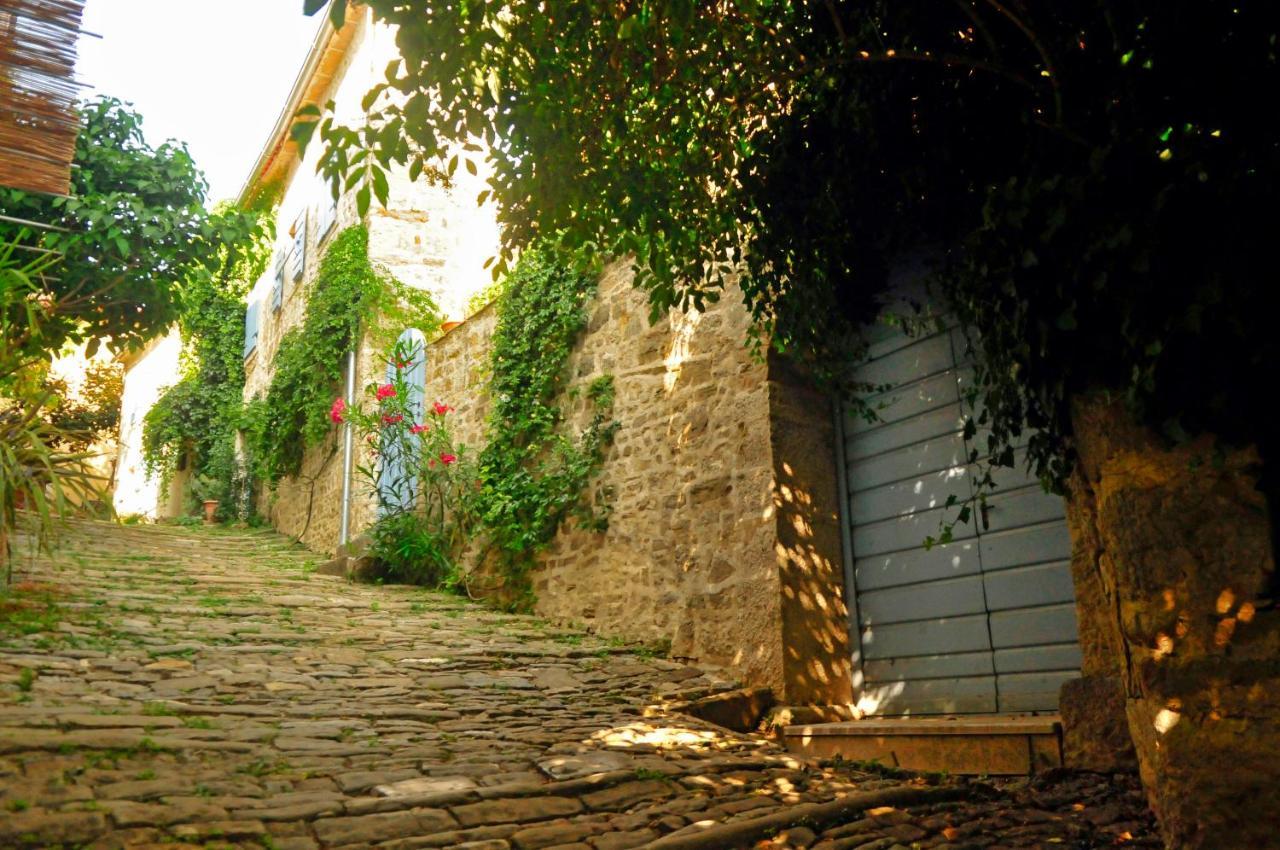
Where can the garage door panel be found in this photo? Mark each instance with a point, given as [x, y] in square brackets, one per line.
[1014, 477]
[920, 359]
[944, 421]
[929, 667]
[1033, 659]
[935, 696]
[911, 496]
[928, 637]
[1033, 691]
[987, 622]
[1032, 626]
[907, 532]
[907, 400]
[1023, 587]
[915, 565]
[931, 600]
[921, 459]
[1024, 507]
[1026, 545]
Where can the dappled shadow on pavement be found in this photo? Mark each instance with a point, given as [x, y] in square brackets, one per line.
[170, 687]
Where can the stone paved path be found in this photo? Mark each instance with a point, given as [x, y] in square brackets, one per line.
[170, 688]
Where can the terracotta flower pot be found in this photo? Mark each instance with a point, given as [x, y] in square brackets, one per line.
[445, 327]
[210, 508]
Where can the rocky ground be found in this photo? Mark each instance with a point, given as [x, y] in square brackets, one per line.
[172, 688]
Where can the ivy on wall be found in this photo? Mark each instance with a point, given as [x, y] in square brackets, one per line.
[348, 294]
[533, 475]
[195, 421]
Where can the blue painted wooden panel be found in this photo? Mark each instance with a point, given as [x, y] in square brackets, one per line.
[1034, 626]
[929, 667]
[891, 569]
[930, 600]
[927, 637]
[944, 629]
[252, 326]
[901, 498]
[960, 695]
[397, 478]
[907, 400]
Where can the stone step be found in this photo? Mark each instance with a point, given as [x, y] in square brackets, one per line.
[992, 745]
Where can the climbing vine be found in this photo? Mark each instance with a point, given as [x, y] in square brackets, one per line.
[195, 421]
[349, 294]
[533, 475]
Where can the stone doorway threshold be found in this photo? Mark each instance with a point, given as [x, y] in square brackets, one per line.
[989, 744]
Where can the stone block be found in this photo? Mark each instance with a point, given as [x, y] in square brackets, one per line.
[1095, 730]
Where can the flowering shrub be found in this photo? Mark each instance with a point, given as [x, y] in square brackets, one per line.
[421, 477]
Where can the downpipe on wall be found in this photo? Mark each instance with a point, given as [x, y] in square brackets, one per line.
[348, 449]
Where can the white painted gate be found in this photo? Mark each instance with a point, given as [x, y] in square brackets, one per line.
[983, 624]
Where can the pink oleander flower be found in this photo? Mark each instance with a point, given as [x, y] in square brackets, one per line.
[392, 419]
[419, 429]
[447, 458]
[335, 412]
[441, 409]
[386, 391]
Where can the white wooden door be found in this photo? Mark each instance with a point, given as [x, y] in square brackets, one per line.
[985, 623]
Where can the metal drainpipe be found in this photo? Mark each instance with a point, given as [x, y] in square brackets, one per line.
[348, 449]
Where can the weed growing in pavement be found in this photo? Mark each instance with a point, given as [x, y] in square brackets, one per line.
[26, 679]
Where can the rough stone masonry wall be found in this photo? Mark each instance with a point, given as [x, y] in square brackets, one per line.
[1176, 544]
[420, 238]
[723, 538]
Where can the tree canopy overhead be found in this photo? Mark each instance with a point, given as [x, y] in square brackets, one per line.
[133, 231]
[1093, 182]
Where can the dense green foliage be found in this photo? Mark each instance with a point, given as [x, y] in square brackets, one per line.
[422, 479]
[133, 233]
[195, 421]
[533, 475]
[36, 472]
[348, 296]
[1090, 184]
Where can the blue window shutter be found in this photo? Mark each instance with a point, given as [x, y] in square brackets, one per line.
[299, 254]
[397, 480]
[277, 284]
[251, 322]
[327, 215]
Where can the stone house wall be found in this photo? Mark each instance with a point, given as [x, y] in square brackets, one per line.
[723, 538]
[431, 237]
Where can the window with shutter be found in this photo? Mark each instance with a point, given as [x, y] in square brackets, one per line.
[277, 283]
[327, 213]
[251, 326]
[298, 256]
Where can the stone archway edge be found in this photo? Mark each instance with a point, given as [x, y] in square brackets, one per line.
[812, 815]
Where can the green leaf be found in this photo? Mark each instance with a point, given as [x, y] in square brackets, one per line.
[301, 133]
[362, 200]
[380, 187]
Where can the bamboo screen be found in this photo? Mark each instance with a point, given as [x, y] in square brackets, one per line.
[38, 92]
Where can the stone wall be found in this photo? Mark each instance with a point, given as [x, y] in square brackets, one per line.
[429, 236]
[723, 538]
[1177, 545]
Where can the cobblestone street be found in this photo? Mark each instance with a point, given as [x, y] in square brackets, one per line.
[169, 687]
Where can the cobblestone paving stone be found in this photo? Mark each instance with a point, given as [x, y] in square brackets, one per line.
[201, 688]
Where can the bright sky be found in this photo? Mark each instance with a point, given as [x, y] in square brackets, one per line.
[212, 74]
